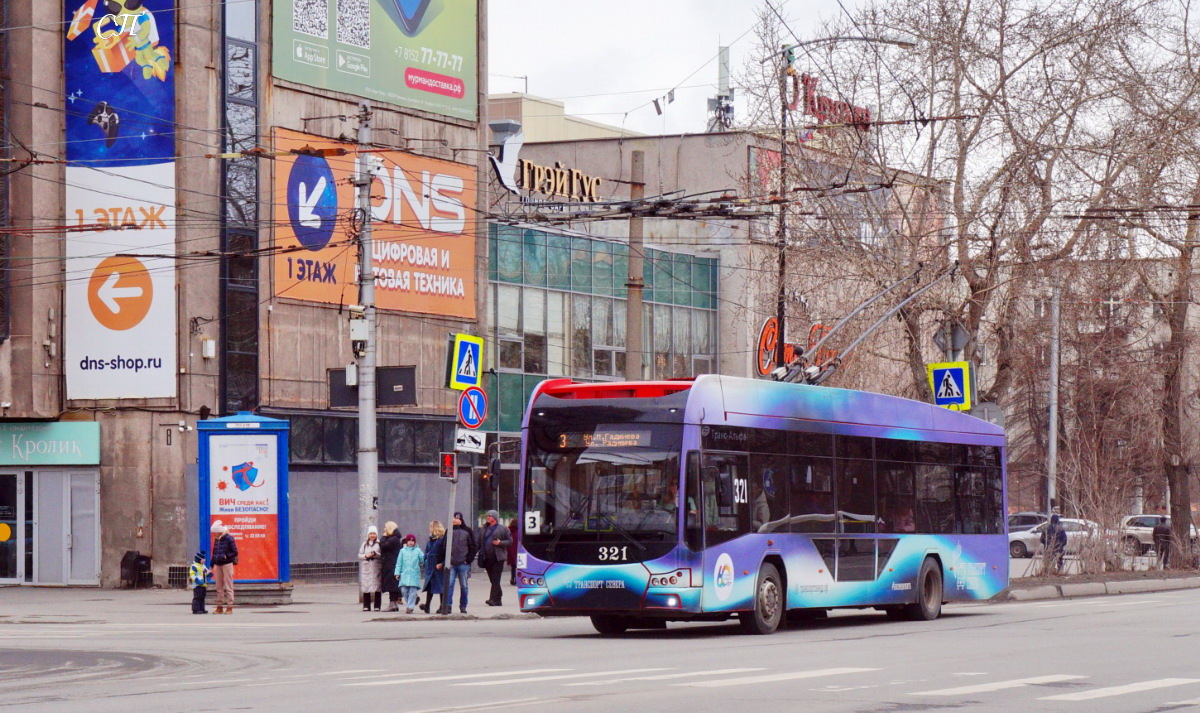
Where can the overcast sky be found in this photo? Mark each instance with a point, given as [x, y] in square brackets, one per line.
[570, 49]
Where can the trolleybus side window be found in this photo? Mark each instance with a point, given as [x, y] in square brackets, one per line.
[768, 493]
[726, 497]
[810, 488]
[693, 527]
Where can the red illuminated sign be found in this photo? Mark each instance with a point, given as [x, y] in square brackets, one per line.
[448, 465]
[826, 109]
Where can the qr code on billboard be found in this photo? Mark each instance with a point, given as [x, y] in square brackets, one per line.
[354, 22]
[311, 17]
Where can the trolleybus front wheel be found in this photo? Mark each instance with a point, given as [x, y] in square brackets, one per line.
[768, 603]
[610, 625]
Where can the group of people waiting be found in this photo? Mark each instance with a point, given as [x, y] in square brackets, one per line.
[398, 566]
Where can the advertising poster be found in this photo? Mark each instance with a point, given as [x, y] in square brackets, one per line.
[120, 313]
[414, 53]
[423, 228]
[243, 481]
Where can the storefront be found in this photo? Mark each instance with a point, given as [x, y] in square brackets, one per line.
[50, 503]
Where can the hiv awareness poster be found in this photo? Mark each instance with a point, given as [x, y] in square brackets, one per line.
[243, 482]
[120, 311]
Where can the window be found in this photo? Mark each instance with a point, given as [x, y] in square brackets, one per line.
[935, 499]
[724, 485]
[768, 493]
[856, 495]
[897, 501]
[810, 494]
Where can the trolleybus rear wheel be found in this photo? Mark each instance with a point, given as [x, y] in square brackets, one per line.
[929, 592]
[768, 603]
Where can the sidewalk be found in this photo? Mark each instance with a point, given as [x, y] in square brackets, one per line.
[338, 603]
[1097, 585]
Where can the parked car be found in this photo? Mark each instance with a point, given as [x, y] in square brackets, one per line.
[1136, 534]
[1028, 543]
[1025, 520]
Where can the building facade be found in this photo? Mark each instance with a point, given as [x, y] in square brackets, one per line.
[195, 160]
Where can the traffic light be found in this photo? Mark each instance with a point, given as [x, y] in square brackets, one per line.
[789, 54]
[448, 465]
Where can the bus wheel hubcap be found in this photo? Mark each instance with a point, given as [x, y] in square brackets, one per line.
[768, 598]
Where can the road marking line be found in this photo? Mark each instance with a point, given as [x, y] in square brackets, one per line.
[489, 706]
[392, 675]
[533, 679]
[1119, 604]
[1193, 702]
[1121, 690]
[212, 682]
[356, 670]
[396, 682]
[747, 680]
[664, 677]
[997, 686]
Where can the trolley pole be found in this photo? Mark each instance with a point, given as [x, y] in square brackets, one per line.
[368, 453]
[781, 234]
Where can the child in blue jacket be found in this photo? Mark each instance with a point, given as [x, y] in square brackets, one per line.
[408, 571]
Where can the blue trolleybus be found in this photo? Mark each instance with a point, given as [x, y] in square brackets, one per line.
[692, 500]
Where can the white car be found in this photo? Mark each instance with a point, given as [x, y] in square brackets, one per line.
[1028, 543]
[1136, 534]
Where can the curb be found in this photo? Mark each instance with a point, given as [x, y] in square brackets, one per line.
[1092, 589]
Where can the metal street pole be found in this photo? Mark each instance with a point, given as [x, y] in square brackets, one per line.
[368, 454]
[635, 352]
[781, 233]
[1052, 448]
[445, 608]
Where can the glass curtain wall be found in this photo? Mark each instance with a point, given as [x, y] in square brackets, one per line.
[239, 237]
[558, 309]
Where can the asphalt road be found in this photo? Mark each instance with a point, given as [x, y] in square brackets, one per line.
[104, 652]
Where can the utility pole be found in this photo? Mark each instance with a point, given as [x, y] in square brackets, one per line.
[635, 352]
[781, 234]
[368, 453]
[1052, 448]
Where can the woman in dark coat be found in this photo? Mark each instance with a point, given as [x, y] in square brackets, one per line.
[389, 547]
[435, 569]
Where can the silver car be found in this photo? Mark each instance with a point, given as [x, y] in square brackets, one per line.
[1028, 543]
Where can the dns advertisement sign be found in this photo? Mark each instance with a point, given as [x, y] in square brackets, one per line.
[119, 77]
[243, 484]
[423, 228]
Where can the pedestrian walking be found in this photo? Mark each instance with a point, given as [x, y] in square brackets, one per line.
[224, 558]
[461, 557]
[389, 548]
[370, 570]
[1054, 542]
[493, 553]
[198, 580]
[435, 561]
[1162, 542]
[512, 552]
[407, 573]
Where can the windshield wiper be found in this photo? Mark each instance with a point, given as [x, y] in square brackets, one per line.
[623, 532]
[558, 532]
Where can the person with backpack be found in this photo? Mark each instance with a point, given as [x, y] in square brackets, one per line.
[1054, 540]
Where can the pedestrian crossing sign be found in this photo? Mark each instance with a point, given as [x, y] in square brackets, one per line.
[466, 364]
[951, 385]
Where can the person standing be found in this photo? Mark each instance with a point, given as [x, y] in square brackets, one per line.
[461, 557]
[198, 578]
[435, 561]
[389, 548]
[370, 570]
[493, 552]
[407, 572]
[512, 552]
[1162, 542]
[225, 556]
[1054, 540]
